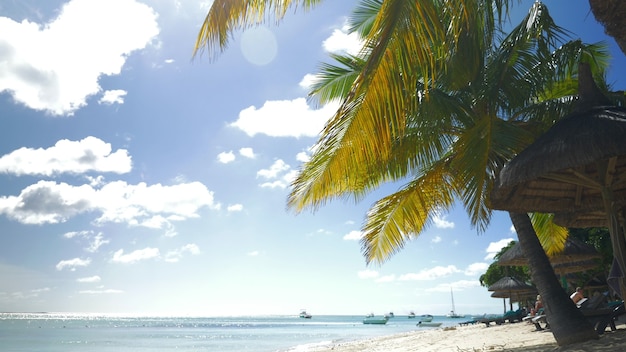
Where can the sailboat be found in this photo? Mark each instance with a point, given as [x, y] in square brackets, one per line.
[452, 313]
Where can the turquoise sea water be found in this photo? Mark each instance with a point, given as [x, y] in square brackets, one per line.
[58, 332]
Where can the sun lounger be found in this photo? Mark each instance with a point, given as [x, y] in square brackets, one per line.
[600, 318]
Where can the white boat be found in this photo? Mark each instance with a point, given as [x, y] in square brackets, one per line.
[426, 318]
[411, 315]
[305, 315]
[428, 324]
[453, 313]
[375, 320]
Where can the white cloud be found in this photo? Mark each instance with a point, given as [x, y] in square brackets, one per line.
[436, 239]
[353, 235]
[226, 157]
[55, 66]
[476, 269]
[118, 202]
[307, 81]
[96, 242]
[73, 234]
[278, 167]
[342, 42]
[284, 118]
[72, 264]
[135, 256]
[495, 247]
[367, 274]
[247, 152]
[441, 222]
[303, 157]
[90, 279]
[430, 274]
[234, 207]
[115, 96]
[176, 255]
[72, 157]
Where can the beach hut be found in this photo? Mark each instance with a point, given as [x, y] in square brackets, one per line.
[576, 169]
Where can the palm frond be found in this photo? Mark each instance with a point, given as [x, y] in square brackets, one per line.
[226, 16]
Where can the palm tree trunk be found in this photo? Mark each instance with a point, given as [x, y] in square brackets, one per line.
[610, 13]
[567, 323]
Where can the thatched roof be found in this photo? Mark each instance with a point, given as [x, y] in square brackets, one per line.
[515, 296]
[576, 256]
[564, 170]
[511, 284]
[581, 220]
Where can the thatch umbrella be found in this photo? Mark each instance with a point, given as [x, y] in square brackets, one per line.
[576, 256]
[577, 167]
[509, 287]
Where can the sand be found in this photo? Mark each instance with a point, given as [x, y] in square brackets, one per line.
[516, 337]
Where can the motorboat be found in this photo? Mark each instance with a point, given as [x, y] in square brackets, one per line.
[412, 315]
[305, 315]
[375, 320]
[426, 318]
[428, 324]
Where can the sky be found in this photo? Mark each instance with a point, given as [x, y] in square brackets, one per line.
[135, 179]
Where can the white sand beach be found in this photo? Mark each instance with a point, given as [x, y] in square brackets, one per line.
[475, 338]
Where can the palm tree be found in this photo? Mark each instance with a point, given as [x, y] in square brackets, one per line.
[612, 15]
[452, 137]
[435, 100]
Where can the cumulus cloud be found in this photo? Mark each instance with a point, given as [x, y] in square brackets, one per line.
[56, 66]
[284, 118]
[72, 264]
[279, 175]
[135, 256]
[115, 96]
[495, 247]
[90, 279]
[441, 222]
[341, 41]
[90, 154]
[117, 202]
[95, 240]
[476, 269]
[353, 236]
[226, 157]
[436, 239]
[177, 254]
[247, 152]
[234, 207]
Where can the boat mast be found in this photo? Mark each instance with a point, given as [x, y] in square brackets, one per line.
[452, 296]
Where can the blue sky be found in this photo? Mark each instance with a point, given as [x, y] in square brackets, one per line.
[137, 180]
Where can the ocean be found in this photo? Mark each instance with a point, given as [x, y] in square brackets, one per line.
[59, 332]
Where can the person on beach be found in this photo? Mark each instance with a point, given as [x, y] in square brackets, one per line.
[538, 306]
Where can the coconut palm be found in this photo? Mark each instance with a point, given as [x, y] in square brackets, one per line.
[434, 100]
[449, 138]
[612, 15]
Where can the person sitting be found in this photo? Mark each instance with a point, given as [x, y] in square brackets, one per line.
[578, 297]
